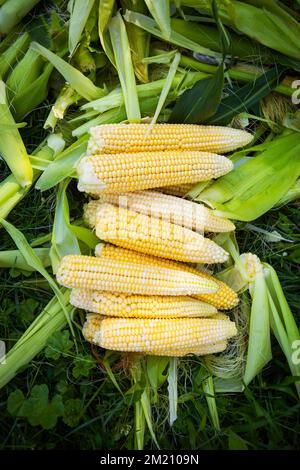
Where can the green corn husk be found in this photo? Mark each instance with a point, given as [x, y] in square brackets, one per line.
[65, 99]
[25, 72]
[33, 95]
[12, 148]
[272, 27]
[79, 13]
[120, 45]
[63, 242]
[208, 36]
[106, 9]
[14, 52]
[139, 41]
[12, 12]
[293, 194]
[160, 10]
[84, 59]
[14, 259]
[258, 184]
[82, 84]
[146, 23]
[11, 193]
[34, 339]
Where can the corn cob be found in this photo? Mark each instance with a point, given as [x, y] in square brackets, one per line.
[225, 298]
[173, 209]
[156, 237]
[124, 172]
[117, 138]
[179, 190]
[140, 306]
[88, 272]
[173, 336]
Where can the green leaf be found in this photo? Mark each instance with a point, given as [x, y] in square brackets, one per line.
[63, 242]
[79, 15]
[244, 98]
[120, 44]
[39, 410]
[83, 365]
[72, 412]
[82, 84]
[148, 24]
[235, 442]
[58, 344]
[198, 104]
[259, 342]
[160, 10]
[27, 309]
[15, 403]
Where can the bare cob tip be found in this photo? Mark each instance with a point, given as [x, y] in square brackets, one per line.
[87, 178]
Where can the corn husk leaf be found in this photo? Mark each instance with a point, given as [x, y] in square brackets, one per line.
[124, 67]
[242, 99]
[106, 9]
[149, 25]
[12, 12]
[63, 242]
[160, 10]
[63, 165]
[273, 27]
[257, 185]
[139, 41]
[12, 147]
[79, 13]
[259, 343]
[14, 259]
[173, 389]
[201, 102]
[166, 88]
[82, 84]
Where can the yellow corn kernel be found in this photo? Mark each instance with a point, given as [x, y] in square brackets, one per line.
[225, 298]
[139, 306]
[133, 171]
[154, 236]
[179, 190]
[117, 138]
[157, 336]
[172, 209]
[88, 272]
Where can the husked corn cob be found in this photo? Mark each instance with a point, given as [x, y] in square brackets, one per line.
[179, 190]
[124, 172]
[173, 209]
[139, 306]
[89, 272]
[225, 298]
[116, 138]
[154, 236]
[172, 336]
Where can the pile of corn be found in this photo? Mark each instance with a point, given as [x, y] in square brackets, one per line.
[142, 296]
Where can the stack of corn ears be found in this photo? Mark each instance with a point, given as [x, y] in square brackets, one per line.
[141, 295]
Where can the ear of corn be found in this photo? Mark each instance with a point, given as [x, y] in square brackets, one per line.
[179, 190]
[176, 210]
[178, 336]
[88, 272]
[140, 306]
[154, 236]
[130, 138]
[133, 171]
[225, 298]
